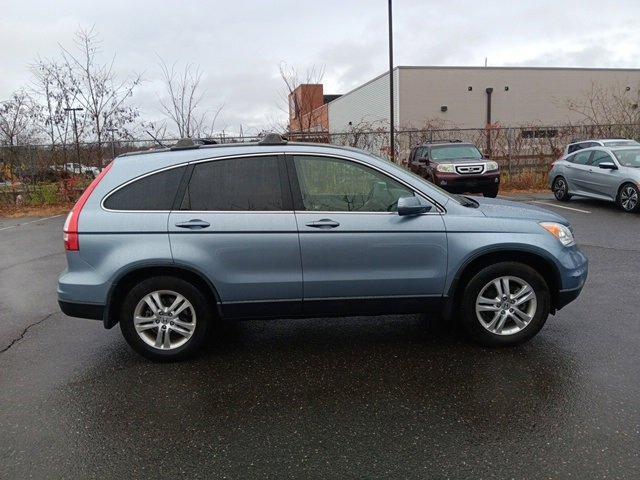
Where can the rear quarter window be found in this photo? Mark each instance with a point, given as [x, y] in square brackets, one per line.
[152, 192]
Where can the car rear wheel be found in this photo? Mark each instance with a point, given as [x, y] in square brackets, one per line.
[165, 318]
[505, 304]
[629, 198]
[561, 190]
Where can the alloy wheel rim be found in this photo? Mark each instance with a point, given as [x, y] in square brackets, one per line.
[629, 198]
[164, 319]
[560, 188]
[506, 305]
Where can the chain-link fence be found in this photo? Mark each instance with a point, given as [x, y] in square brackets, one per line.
[527, 150]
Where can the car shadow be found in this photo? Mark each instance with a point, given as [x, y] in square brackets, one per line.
[274, 386]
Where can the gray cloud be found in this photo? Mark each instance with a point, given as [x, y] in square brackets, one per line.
[240, 44]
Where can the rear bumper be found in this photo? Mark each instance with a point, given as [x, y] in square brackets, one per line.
[454, 182]
[82, 310]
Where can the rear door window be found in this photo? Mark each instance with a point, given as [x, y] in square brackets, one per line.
[236, 184]
[581, 158]
[152, 192]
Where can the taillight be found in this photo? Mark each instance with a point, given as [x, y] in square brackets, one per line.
[70, 229]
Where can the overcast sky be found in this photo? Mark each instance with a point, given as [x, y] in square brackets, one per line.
[239, 44]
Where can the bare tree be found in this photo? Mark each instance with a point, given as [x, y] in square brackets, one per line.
[53, 88]
[600, 106]
[16, 120]
[99, 91]
[302, 117]
[182, 101]
[16, 129]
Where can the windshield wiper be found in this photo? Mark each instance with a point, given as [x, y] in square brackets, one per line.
[467, 202]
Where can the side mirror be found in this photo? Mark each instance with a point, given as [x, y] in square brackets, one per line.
[423, 160]
[411, 206]
[608, 165]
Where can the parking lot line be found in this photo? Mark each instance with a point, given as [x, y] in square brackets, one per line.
[560, 206]
[32, 221]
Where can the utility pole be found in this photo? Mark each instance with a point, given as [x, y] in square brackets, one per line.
[391, 113]
[113, 141]
[75, 131]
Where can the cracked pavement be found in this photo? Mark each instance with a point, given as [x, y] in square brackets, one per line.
[382, 397]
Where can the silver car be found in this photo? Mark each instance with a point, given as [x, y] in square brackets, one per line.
[605, 173]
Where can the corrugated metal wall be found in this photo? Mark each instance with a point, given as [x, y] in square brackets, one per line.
[368, 103]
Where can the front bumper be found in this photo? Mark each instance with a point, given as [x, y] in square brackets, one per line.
[456, 183]
[574, 272]
[565, 297]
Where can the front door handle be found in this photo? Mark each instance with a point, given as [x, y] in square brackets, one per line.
[194, 224]
[325, 224]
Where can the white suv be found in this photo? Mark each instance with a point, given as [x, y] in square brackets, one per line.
[606, 142]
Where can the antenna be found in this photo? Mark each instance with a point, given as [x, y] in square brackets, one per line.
[485, 62]
[157, 141]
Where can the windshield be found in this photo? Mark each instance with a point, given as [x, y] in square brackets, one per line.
[454, 153]
[628, 157]
[620, 143]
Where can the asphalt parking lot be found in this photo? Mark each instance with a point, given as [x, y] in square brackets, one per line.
[384, 397]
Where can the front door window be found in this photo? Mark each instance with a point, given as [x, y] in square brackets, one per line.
[335, 185]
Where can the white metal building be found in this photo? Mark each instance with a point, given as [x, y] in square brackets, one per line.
[458, 96]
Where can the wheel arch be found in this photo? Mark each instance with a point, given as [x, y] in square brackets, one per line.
[623, 183]
[557, 175]
[536, 260]
[137, 273]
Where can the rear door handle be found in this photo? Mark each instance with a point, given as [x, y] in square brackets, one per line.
[194, 224]
[325, 223]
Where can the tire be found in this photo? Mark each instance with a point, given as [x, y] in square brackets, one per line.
[560, 189]
[515, 328]
[182, 334]
[493, 193]
[629, 198]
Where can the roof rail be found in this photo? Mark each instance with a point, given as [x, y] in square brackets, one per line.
[444, 140]
[188, 143]
[272, 139]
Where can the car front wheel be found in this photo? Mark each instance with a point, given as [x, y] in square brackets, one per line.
[629, 198]
[165, 318]
[505, 304]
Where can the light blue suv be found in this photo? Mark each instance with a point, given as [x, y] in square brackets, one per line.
[167, 242]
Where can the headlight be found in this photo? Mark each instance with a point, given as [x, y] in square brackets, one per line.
[561, 232]
[445, 168]
[490, 166]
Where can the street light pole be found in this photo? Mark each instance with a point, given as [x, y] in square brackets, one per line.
[113, 141]
[391, 112]
[75, 131]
